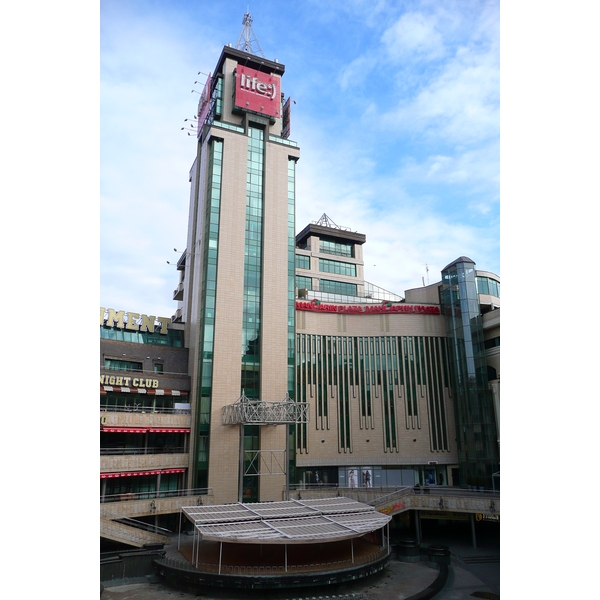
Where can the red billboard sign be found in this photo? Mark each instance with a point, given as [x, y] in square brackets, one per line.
[257, 91]
[368, 309]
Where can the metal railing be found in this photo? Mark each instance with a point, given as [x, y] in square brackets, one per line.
[260, 571]
[134, 523]
[389, 492]
[138, 408]
[194, 494]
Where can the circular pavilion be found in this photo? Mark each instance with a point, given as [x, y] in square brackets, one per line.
[279, 544]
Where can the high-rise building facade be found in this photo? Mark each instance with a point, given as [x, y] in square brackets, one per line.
[238, 285]
[402, 390]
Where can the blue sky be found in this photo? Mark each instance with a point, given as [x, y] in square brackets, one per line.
[397, 116]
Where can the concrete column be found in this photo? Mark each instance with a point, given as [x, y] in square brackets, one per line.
[417, 528]
[220, 556]
[241, 482]
[287, 463]
[472, 518]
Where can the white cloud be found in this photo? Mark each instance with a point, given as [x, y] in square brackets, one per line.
[414, 34]
[460, 105]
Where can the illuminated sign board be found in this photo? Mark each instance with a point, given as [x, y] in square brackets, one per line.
[133, 321]
[257, 91]
[368, 309]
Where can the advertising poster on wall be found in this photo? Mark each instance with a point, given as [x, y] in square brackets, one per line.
[352, 478]
[367, 478]
[429, 476]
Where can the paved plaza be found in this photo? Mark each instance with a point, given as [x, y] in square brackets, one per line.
[473, 573]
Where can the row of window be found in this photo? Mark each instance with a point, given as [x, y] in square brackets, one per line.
[174, 338]
[486, 285]
[332, 247]
[139, 402]
[338, 287]
[122, 365]
[328, 286]
[140, 485]
[337, 267]
[128, 365]
[327, 266]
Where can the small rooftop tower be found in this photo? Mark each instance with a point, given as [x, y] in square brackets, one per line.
[247, 36]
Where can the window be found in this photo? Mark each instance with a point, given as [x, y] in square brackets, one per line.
[303, 282]
[331, 247]
[494, 291]
[337, 287]
[492, 343]
[337, 267]
[482, 285]
[302, 262]
[121, 365]
[158, 368]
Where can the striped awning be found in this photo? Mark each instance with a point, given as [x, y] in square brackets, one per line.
[139, 473]
[124, 429]
[141, 390]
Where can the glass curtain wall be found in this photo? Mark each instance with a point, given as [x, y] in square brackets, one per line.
[473, 408]
[250, 380]
[207, 308]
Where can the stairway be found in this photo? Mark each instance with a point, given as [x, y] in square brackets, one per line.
[133, 536]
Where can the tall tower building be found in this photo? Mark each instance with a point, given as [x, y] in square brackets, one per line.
[238, 268]
[474, 410]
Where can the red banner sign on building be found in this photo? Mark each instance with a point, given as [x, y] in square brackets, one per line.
[368, 309]
[256, 91]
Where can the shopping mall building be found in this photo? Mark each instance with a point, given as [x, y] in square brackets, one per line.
[387, 390]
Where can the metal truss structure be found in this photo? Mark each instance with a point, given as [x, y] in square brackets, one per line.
[264, 462]
[255, 412]
[247, 37]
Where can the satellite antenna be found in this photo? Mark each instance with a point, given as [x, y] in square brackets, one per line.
[247, 37]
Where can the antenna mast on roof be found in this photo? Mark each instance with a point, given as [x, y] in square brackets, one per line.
[244, 42]
[325, 221]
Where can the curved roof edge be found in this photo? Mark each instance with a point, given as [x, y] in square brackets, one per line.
[460, 259]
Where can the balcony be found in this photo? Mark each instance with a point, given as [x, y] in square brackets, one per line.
[121, 416]
[178, 292]
[143, 462]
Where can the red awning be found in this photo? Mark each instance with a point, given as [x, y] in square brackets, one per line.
[144, 429]
[124, 429]
[169, 429]
[139, 473]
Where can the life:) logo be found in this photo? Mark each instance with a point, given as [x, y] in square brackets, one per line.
[253, 84]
